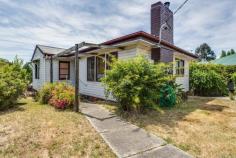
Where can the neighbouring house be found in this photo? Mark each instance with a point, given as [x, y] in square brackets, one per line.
[49, 67]
[228, 60]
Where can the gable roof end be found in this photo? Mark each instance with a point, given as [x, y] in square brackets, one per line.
[47, 50]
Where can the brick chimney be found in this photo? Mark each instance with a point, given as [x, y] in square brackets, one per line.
[159, 14]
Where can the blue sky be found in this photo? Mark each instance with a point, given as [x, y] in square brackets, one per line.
[62, 23]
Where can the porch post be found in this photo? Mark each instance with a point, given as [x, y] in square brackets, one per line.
[105, 65]
[51, 69]
[76, 105]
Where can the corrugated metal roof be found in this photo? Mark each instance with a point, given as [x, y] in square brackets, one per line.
[228, 60]
[54, 50]
[146, 36]
[50, 50]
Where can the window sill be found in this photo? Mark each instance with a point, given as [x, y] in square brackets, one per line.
[93, 81]
[180, 76]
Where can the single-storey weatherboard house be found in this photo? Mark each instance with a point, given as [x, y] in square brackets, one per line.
[49, 67]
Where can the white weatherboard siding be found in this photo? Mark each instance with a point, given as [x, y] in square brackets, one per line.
[184, 80]
[96, 89]
[56, 71]
[127, 54]
[37, 83]
[47, 70]
[44, 76]
[87, 87]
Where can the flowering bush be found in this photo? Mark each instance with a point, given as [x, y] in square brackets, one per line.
[45, 93]
[59, 103]
[60, 95]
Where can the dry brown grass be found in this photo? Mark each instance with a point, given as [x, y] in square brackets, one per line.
[34, 130]
[203, 127]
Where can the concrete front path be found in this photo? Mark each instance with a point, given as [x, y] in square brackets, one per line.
[128, 140]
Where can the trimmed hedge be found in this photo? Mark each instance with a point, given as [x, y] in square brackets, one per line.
[210, 79]
[234, 77]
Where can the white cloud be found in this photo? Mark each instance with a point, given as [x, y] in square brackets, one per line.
[63, 23]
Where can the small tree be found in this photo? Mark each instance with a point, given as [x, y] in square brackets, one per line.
[205, 53]
[12, 83]
[136, 83]
[28, 72]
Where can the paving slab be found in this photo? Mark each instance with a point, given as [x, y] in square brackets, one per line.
[107, 125]
[167, 151]
[131, 140]
[126, 139]
[93, 111]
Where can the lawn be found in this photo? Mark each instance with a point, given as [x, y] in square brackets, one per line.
[34, 130]
[203, 127]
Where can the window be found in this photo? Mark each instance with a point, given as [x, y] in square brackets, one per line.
[37, 69]
[179, 67]
[64, 70]
[100, 68]
[110, 57]
[96, 66]
[90, 68]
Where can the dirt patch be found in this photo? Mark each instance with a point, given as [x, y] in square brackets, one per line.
[211, 107]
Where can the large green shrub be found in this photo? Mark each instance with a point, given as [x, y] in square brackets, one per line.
[231, 70]
[136, 83]
[13, 83]
[3, 62]
[210, 79]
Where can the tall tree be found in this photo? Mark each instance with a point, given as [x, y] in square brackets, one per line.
[205, 52]
[232, 51]
[228, 53]
[223, 53]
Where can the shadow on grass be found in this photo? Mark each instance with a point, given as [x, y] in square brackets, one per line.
[169, 116]
[14, 108]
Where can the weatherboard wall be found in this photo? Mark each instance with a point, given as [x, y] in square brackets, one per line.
[96, 89]
[37, 83]
[183, 80]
